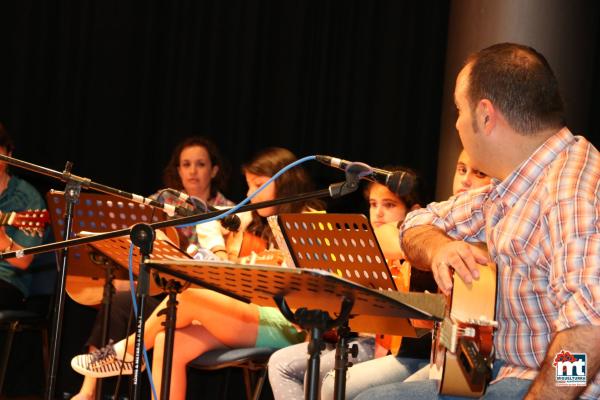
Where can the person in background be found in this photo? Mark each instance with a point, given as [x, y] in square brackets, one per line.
[287, 367]
[16, 195]
[466, 177]
[414, 353]
[196, 169]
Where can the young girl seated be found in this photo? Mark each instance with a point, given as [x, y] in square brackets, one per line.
[399, 367]
[287, 366]
[197, 169]
[207, 320]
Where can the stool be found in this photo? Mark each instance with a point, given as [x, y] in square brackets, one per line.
[13, 321]
[251, 359]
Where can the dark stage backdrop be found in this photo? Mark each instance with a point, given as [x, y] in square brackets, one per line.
[111, 85]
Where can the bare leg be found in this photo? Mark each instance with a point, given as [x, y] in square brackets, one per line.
[230, 321]
[190, 342]
[88, 387]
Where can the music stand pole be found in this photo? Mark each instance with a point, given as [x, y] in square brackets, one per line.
[316, 322]
[173, 287]
[72, 191]
[142, 236]
[107, 295]
[341, 361]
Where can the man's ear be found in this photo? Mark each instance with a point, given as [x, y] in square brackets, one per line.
[486, 115]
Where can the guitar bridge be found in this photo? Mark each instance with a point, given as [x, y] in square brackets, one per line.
[479, 330]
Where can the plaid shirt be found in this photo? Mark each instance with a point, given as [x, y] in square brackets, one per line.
[541, 226]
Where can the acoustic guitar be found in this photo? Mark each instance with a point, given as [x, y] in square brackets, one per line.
[461, 355]
[85, 279]
[31, 222]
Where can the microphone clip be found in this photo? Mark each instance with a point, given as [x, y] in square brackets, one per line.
[354, 173]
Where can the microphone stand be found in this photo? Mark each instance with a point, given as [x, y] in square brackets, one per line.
[142, 235]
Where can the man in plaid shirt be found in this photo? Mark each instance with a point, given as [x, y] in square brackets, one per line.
[539, 218]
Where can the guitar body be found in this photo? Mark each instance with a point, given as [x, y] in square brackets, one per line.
[251, 244]
[471, 306]
[401, 274]
[85, 280]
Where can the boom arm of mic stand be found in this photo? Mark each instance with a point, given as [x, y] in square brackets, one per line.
[86, 183]
[335, 190]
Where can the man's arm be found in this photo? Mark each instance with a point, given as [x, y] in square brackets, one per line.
[428, 247]
[579, 339]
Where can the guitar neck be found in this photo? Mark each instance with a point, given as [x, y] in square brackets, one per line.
[31, 222]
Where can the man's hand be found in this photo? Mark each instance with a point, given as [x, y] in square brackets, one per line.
[462, 257]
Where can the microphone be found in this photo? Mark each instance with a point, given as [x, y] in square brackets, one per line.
[230, 222]
[399, 182]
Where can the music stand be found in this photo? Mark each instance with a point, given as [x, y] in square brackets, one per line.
[364, 309]
[96, 213]
[117, 249]
[343, 244]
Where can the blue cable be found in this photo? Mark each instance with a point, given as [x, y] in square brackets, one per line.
[216, 218]
[247, 199]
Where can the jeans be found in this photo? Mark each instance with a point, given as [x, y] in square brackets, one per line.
[508, 388]
[373, 374]
[287, 366]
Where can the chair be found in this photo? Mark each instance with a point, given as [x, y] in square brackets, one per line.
[32, 318]
[252, 359]
[35, 315]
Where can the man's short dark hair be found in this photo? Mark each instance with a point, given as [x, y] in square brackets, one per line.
[520, 83]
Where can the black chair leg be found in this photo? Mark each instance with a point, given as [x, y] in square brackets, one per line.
[247, 383]
[10, 334]
[260, 381]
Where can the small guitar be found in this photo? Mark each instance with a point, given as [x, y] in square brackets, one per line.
[31, 222]
[462, 350]
[86, 274]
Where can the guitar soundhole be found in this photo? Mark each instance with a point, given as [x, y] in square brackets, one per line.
[465, 363]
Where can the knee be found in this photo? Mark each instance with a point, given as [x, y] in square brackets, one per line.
[278, 363]
[288, 364]
[159, 340]
[191, 294]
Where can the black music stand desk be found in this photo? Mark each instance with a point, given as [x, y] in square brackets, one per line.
[369, 310]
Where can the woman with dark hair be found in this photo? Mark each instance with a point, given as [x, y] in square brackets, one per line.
[258, 171]
[195, 168]
[202, 153]
[208, 320]
[16, 195]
